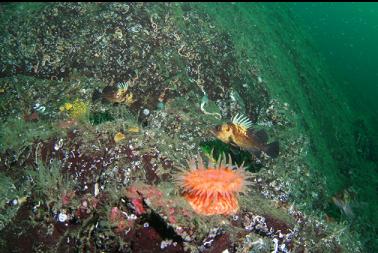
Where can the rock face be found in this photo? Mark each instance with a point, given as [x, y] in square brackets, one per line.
[78, 188]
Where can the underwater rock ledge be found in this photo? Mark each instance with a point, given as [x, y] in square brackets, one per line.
[82, 174]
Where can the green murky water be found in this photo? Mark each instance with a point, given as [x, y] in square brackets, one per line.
[304, 72]
[346, 35]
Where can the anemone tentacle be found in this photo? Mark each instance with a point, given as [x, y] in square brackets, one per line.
[213, 189]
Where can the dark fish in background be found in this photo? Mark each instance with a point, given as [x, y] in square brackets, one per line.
[113, 94]
[342, 200]
[239, 133]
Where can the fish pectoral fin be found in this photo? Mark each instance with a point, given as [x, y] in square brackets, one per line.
[260, 136]
[272, 149]
[233, 144]
[254, 151]
[105, 101]
[96, 95]
[235, 150]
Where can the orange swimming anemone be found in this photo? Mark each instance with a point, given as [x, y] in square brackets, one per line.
[213, 189]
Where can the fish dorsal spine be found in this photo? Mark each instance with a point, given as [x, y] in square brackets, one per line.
[242, 123]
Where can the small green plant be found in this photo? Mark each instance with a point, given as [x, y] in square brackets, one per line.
[50, 185]
[8, 193]
[96, 118]
[16, 134]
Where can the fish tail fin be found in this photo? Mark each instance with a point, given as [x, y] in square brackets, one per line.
[96, 95]
[254, 151]
[272, 149]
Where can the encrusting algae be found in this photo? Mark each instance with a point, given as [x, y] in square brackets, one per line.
[133, 130]
[213, 189]
[66, 107]
[77, 110]
[119, 137]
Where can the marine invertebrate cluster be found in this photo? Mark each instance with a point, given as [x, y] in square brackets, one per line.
[213, 189]
[78, 109]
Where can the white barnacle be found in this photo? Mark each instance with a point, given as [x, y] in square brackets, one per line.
[127, 231]
[259, 79]
[132, 217]
[275, 240]
[165, 243]
[146, 112]
[39, 108]
[96, 189]
[62, 217]
[208, 243]
[58, 145]
[259, 241]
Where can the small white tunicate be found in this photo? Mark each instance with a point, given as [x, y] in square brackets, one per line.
[259, 79]
[275, 241]
[208, 243]
[165, 244]
[41, 109]
[146, 112]
[62, 217]
[132, 217]
[96, 189]
[58, 145]
[84, 204]
[146, 225]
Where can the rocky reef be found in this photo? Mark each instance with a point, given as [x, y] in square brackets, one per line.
[80, 174]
